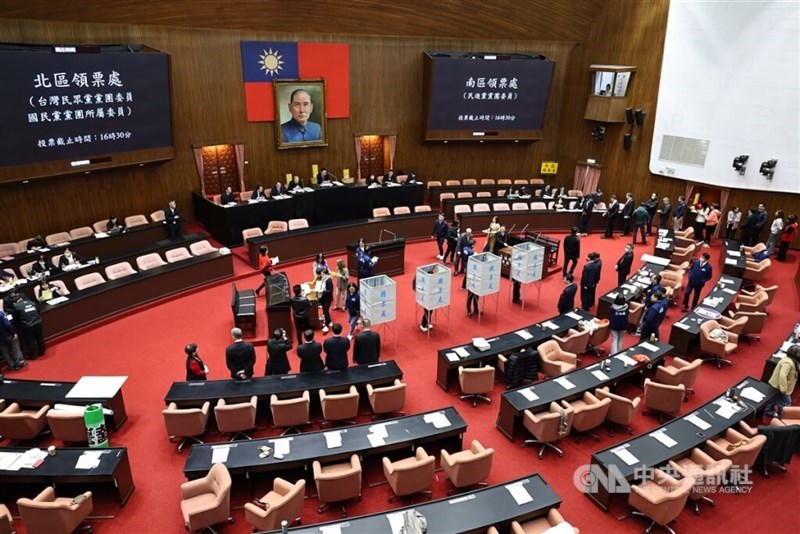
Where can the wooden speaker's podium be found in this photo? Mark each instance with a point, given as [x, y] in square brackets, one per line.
[391, 255]
[279, 310]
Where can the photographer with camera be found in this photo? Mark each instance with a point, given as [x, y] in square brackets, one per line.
[277, 358]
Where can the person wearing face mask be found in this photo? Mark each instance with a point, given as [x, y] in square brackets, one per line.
[700, 272]
[69, 259]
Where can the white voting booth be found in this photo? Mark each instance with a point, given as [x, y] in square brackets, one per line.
[483, 279]
[433, 284]
[527, 266]
[379, 301]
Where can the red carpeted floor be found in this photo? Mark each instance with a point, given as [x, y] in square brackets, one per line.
[147, 346]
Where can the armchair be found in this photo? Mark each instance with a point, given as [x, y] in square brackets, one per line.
[6, 522]
[679, 372]
[387, 399]
[713, 349]
[771, 291]
[469, 467]
[186, 423]
[544, 524]
[48, 514]
[338, 482]
[475, 381]
[548, 426]
[410, 475]
[342, 407]
[290, 413]
[621, 411]
[663, 398]
[661, 500]
[575, 341]
[754, 325]
[206, 501]
[283, 503]
[674, 281]
[756, 303]
[590, 412]
[706, 472]
[17, 424]
[598, 337]
[741, 450]
[67, 426]
[237, 418]
[554, 360]
[735, 326]
[635, 311]
[790, 415]
[683, 254]
[756, 272]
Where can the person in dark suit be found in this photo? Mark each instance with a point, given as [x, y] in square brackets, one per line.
[664, 212]
[172, 218]
[624, 263]
[36, 242]
[278, 189]
[572, 251]
[627, 211]
[762, 217]
[566, 302]
[586, 214]
[652, 317]
[114, 224]
[277, 349]
[590, 277]
[300, 309]
[27, 317]
[195, 368]
[258, 193]
[439, 231]
[639, 218]
[323, 176]
[748, 227]
[390, 177]
[296, 183]
[700, 272]
[651, 205]
[325, 297]
[367, 345]
[310, 354]
[611, 217]
[227, 196]
[466, 241]
[40, 267]
[336, 349]
[240, 356]
[500, 240]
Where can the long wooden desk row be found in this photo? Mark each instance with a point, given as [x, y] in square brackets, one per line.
[573, 385]
[615, 467]
[114, 470]
[449, 204]
[435, 191]
[330, 238]
[467, 513]
[444, 427]
[769, 365]
[194, 394]
[732, 261]
[633, 288]
[38, 393]
[90, 247]
[539, 220]
[448, 360]
[92, 304]
[686, 330]
[324, 205]
[664, 244]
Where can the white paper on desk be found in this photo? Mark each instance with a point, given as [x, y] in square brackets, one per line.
[461, 351]
[96, 387]
[698, 422]
[624, 358]
[550, 324]
[649, 346]
[725, 281]
[9, 461]
[600, 375]
[729, 291]
[379, 430]
[630, 288]
[564, 382]
[529, 394]
[731, 261]
[375, 440]
[682, 326]
[30, 457]
[786, 345]
[100, 235]
[574, 316]
[520, 494]
[219, 454]
[725, 410]
[88, 460]
[662, 437]
[734, 254]
[751, 393]
[331, 529]
[395, 522]
[626, 456]
[438, 419]
[612, 295]
[452, 356]
[333, 439]
[282, 446]
[524, 334]
[57, 300]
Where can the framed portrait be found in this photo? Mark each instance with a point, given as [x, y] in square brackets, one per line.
[300, 113]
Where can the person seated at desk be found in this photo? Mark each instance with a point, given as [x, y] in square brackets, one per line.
[40, 267]
[240, 356]
[390, 177]
[512, 193]
[37, 242]
[377, 181]
[296, 183]
[113, 224]
[7, 278]
[277, 349]
[258, 193]
[195, 368]
[336, 349]
[367, 345]
[279, 189]
[47, 291]
[69, 259]
[227, 197]
[323, 177]
[547, 192]
[310, 354]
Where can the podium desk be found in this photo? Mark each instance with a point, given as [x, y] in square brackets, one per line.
[634, 287]
[470, 512]
[513, 403]
[114, 470]
[447, 366]
[401, 433]
[732, 261]
[391, 256]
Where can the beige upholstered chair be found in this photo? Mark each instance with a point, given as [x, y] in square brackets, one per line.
[684, 238]
[290, 414]
[483, 194]
[575, 341]
[445, 196]
[401, 210]
[503, 181]
[635, 311]
[660, 500]
[749, 252]
[118, 270]
[452, 182]
[25, 268]
[679, 372]
[177, 254]
[206, 501]
[273, 227]
[135, 220]
[62, 288]
[677, 267]
[755, 324]
[381, 212]
[296, 224]
[57, 238]
[17, 424]
[422, 208]
[501, 206]
[202, 247]
[673, 280]
[461, 208]
[554, 360]
[237, 418]
[434, 183]
[548, 426]
[247, 233]
[743, 449]
[81, 232]
[790, 415]
[6, 522]
[590, 412]
[186, 423]
[714, 350]
[89, 280]
[469, 181]
[149, 261]
[67, 426]
[621, 411]
[23, 245]
[663, 398]
[467, 468]
[598, 337]
[337, 483]
[387, 399]
[706, 472]
[520, 181]
[733, 325]
[771, 291]
[410, 475]
[683, 254]
[756, 303]
[283, 503]
[547, 524]
[100, 226]
[480, 207]
[476, 382]
[159, 216]
[48, 514]
[520, 206]
[340, 407]
[8, 249]
[487, 181]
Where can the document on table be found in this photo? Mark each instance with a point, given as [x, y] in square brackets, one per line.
[520, 494]
[786, 345]
[698, 422]
[379, 430]
[32, 458]
[396, 522]
[625, 455]
[662, 437]
[452, 356]
[91, 459]
[438, 419]
[682, 326]
[331, 529]
[57, 300]
[9, 461]
[461, 351]
[627, 360]
[729, 291]
[574, 316]
[726, 409]
[649, 346]
[282, 446]
[600, 375]
[564, 382]
[734, 254]
[550, 324]
[333, 439]
[725, 281]
[524, 334]
[630, 288]
[751, 393]
[731, 261]
[219, 454]
[612, 295]
[375, 440]
[96, 387]
[529, 394]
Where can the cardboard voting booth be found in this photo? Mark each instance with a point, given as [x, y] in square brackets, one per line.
[433, 286]
[527, 262]
[378, 299]
[483, 274]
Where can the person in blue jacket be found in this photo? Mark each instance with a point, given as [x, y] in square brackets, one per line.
[653, 316]
[618, 322]
[700, 272]
[590, 277]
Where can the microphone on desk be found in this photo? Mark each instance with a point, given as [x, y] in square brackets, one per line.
[394, 235]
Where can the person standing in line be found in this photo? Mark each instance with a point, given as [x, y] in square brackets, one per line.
[9, 344]
[452, 243]
[566, 302]
[342, 275]
[664, 213]
[680, 212]
[586, 214]
[784, 379]
[439, 232]
[277, 353]
[336, 349]
[639, 218]
[240, 356]
[465, 242]
[734, 218]
[611, 217]
[651, 204]
[627, 211]
[618, 322]
[572, 251]
[301, 307]
[748, 227]
[352, 304]
[762, 217]
[624, 264]
[712, 220]
[26, 315]
[172, 218]
[325, 297]
[775, 230]
[195, 368]
[700, 211]
[700, 272]
[425, 323]
[310, 354]
[265, 266]
[367, 345]
[653, 316]
[590, 277]
[789, 231]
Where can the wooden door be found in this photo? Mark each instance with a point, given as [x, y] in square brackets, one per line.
[219, 169]
[371, 155]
